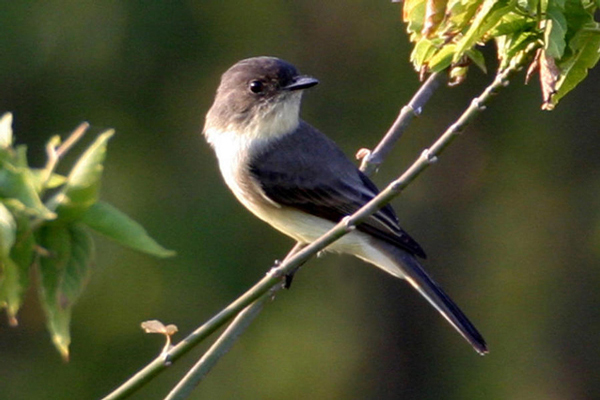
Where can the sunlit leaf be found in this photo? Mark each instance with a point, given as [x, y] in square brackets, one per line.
[554, 33]
[585, 48]
[486, 18]
[442, 59]
[83, 182]
[434, 14]
[512, 23]
[458, 15]
[423, 52]
[509, 46]
[413, 13]
[111, 222]
[6, 134]
[64, 272]
[19, 184]
[457, 75]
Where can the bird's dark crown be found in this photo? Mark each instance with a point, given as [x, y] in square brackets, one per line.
[270, 72]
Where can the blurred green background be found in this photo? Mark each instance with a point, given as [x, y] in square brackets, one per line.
[509, 217]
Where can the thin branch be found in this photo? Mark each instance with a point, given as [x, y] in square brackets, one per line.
[372, 160]
[166, 359]
[273, 277]
[217, 350]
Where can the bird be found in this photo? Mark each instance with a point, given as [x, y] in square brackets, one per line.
[292, 176]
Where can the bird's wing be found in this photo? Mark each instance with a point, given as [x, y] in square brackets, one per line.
[326, 184]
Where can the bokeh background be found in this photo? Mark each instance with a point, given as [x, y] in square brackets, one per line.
[510, 216]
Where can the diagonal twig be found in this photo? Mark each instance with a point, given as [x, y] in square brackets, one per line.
[373, 159]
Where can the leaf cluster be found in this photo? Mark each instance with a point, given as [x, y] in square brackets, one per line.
[45, 223]
[447, 33]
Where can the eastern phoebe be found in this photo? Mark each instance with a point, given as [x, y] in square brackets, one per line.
[293, 177]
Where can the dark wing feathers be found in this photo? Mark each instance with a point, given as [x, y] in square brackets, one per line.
[330, 187]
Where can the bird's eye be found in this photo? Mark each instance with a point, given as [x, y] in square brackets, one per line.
[257, 87]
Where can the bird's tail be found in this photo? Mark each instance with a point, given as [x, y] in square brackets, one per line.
[403, 265]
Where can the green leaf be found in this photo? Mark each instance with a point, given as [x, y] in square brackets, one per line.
[585, 48]
[6, 134]
[111, 222]
[434, 14]
[9, 274]
[423, 51]
[477, 58]
[555, 32]
[513, 23]
[413, 13]
[458, 14]
[11, 291]
[15, 279]
[485, 20]
[39, 176]
[64, 271]
[8, 231]
[83, 183]
[528, 5]
[442, 59]
[509, 46]
[18, 183]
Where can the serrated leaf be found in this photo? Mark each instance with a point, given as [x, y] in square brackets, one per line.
[64, 273]
[413, 13]
[109, 221]
[83, 182]
[486, 18]
[585, 47]
[6, 133]
[18, 183]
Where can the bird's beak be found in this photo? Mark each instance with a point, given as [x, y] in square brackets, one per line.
[301, 82]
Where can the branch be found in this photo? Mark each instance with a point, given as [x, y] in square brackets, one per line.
[274, 276]
[217, 350]
[373, 159]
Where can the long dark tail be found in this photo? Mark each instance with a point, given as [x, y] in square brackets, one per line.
[407, 267]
